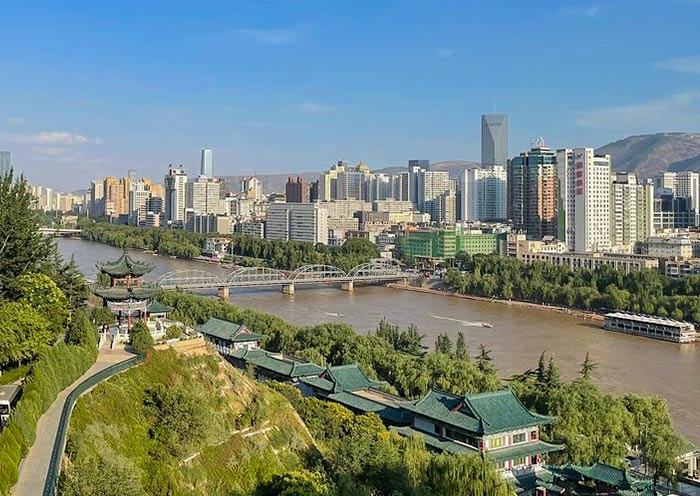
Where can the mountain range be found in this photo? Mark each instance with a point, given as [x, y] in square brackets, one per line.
[647, 155]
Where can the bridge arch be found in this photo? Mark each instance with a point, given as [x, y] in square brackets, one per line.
[375, 268]
[254, 276]
[317, 273]
[189, 279]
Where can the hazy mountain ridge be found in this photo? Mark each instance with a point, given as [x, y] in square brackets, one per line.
[650, 154]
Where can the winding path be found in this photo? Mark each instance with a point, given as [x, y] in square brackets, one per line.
[35, 466]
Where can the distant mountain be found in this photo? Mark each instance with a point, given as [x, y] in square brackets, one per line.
[650, 154]
[275, 182]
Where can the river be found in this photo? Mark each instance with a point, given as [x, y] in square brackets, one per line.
[519, 335]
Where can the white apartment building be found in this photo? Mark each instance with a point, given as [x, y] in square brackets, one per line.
[484, 192]
[632, 210]
[203, 196]
[584, 199]
[174, 184]
[430, 185]
[138, 200]
[297, 222]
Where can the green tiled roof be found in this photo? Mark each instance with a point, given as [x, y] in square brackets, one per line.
[120, 293]
[436, 443]
[601, 473]
[124, 266]
[524, 449]
[279, 364]
[341, 378]
[227, 330]
[393, 414]
[157, 307]
[482, 414]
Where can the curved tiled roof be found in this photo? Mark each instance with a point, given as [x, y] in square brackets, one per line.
[124, 266]
[120, 293]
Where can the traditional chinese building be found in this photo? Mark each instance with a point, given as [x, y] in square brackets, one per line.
[126, 294]
[274, 366]
[227, 336]
[495, 425]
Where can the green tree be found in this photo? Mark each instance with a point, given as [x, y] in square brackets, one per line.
[296, 483]
[443, 344]
[141, 338]
[587, 367]
[465, 475]
[461, 350]
[102, 316]
[22, 248]
[484, 360]
[24, 333]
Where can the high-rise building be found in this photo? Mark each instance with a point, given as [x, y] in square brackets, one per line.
[494, 139]
[584, 199]
[688, 186]
[483, 194]
[111, 196]
[251, 188]
[174, 185]
[631, 210]
[206, 166]
[415, 167]
[328, 182]
[430, 185]
[351, 183]
[203, 196]
[297, 222]
[5, 162]
[532, 191]
[296, 191]
[444, 209]
[97, 198]
[314, 191]
[138, 203]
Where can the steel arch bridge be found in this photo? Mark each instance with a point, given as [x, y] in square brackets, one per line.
[374, 271]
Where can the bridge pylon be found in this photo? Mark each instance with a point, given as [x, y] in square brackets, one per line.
[223, 293]
[288, 289]
[348, 286]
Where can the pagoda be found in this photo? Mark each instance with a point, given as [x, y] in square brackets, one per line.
[127, 294]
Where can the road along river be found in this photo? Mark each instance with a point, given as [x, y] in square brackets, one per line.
[519, 335]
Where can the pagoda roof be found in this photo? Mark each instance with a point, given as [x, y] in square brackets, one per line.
[482, 414]
[120, 293]
[339, 378]
[124, 266]
[157, 307]
[601, 473]
[227, 330]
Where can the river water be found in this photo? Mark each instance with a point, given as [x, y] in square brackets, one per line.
[519, 335]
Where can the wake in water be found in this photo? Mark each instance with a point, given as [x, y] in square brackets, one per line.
[464, 323]
[333, 314]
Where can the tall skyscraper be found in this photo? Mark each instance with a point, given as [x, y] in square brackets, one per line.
[415, 166]
[297, 222]
[174, 183]
[688, 186]
[532, 191]
[138, 203]
[584, 199]
[351, 183]
[203, 196]
[430, 185]
[97, 199]
[483, 194]
[207, 164]
[5, 162]
[494, 139]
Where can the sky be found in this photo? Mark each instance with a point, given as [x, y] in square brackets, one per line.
[89, 89]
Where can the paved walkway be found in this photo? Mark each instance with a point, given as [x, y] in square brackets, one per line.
[33, 469]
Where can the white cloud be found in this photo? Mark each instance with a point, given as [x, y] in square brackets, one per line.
[445, 53]
[50, 138]
[269, 36]
[582, 10]
[313, 107]
[680, 112]
[690, 65]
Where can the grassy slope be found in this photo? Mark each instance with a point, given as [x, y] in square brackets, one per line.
[110, 427]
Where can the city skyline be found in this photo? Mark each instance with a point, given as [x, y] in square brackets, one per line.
[132, 95]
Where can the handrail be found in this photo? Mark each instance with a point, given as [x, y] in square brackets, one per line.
[60, 441]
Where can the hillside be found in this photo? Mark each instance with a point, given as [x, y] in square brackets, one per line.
[651, 154]
[181, 425]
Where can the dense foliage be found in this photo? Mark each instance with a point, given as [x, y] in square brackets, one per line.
[644, 291]
[141, 339]
[598, 427]
[277, 254]
[58, 367]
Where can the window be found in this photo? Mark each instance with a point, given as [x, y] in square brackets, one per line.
[519, 438]
[521, 461]
[497, 442]
[533, 435]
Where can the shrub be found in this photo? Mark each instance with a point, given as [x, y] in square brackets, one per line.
[141, 338]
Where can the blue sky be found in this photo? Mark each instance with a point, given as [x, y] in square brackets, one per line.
[95, 88]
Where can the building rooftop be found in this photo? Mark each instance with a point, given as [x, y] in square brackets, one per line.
[124, 266]
[227, 330]
[482, 414]
[339, 378]
[278, 363]
[157, 307]
[648, 319]
[120, 293]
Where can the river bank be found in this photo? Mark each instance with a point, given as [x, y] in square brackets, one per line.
[581, 314]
